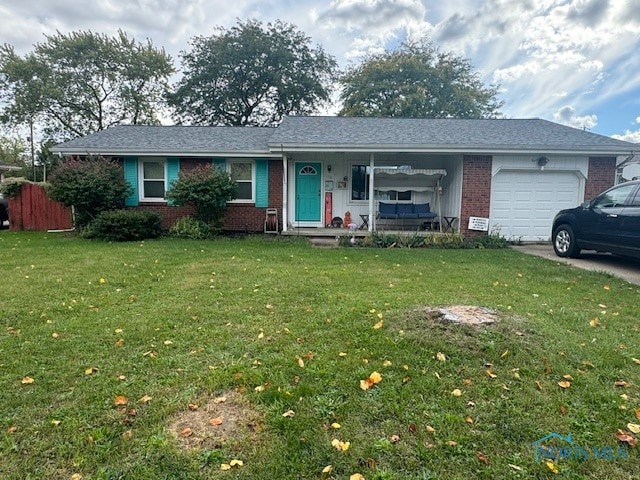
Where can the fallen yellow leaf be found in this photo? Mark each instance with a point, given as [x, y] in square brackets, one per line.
[327, 469]
[594, 322]
[457, 392]
[490, 374]
[552, 466]
[90, 371]
[633, 427]
[469, 420]
[378, 325]
[339, 445]
[236, 463]
[144, 399]
[356, 476]
[300, 362]
[373, 379]
[289, 414]
[564, 384]
[120, 400]
[430, 429]
[225, 466]
[27, 381]
[441, 357]
[336, 426]
[76, 476]
[58, 422]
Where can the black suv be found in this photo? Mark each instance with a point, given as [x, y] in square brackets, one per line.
[608, 223]
[4, 210]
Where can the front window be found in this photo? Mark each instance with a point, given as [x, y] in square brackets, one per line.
[153, 179]
[242, 173]
[360, 177]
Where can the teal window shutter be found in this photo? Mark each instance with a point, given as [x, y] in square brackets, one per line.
[131, 177]
[262, 183]
[173, 170]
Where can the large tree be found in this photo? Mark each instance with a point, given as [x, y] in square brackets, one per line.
[78, 83]
[252, 74]
[417, 81]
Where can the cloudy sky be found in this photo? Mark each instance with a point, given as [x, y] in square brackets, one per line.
[575, 62]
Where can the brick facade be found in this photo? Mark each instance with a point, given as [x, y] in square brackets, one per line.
[476, 190]
[239, 217]
[601, 176]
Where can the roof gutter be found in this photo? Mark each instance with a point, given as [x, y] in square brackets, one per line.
[158, 153]
[469, 150]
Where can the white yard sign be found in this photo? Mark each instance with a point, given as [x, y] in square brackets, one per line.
[479, 223]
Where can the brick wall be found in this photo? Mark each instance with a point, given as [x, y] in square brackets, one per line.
[239, 217]
[602, 175]
[476, 190]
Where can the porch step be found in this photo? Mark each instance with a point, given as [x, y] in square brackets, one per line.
[324, 242]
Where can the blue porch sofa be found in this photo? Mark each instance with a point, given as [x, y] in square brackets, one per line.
[406, 211]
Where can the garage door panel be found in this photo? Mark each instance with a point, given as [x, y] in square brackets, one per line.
[524, 203]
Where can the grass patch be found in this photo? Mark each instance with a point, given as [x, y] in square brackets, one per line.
[286, 327]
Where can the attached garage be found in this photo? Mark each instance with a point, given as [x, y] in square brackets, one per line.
[523, 203]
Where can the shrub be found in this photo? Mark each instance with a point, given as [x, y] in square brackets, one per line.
[11, 186]
[124, 225]
[188, 227]
[92, 185]
[207, 189]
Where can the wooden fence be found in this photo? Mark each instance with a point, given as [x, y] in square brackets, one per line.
[33, 210]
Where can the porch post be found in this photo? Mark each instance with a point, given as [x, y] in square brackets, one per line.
[285, 192]
[372, 218]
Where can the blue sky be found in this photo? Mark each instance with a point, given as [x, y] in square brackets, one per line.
[576, 62]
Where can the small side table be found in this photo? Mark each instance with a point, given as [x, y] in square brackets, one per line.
[365, 222]
[448, 224]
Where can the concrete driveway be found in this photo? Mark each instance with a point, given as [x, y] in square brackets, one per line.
[624, 268]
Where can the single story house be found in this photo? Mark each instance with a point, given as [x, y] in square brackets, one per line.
[505, 175]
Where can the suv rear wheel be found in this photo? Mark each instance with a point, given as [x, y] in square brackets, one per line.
[564, 242]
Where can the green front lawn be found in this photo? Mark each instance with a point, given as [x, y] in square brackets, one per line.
[169, 359]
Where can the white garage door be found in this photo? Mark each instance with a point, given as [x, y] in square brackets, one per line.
[523, 204]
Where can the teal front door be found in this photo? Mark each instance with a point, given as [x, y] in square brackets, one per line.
[308, 192]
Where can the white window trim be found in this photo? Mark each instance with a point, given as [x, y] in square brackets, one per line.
[141, 179]
[253, 178]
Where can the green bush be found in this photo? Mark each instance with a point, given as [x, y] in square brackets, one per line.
[188, 227]
[124, 225]
[11, 186]
[92, 185]
[444, 240]
[207, 189]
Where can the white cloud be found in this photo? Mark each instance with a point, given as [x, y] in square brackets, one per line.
[567, 116]
[629, 136]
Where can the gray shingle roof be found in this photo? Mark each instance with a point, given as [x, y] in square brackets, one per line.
[167, 140]
[348, 133]
[469, 135]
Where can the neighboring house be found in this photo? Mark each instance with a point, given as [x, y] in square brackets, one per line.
[517, 173]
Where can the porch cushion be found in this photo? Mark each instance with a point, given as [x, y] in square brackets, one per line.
[405, 210]
[387, 210]
[422, 210]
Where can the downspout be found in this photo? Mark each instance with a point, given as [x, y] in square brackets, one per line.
[285, 192]
[372, 218]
